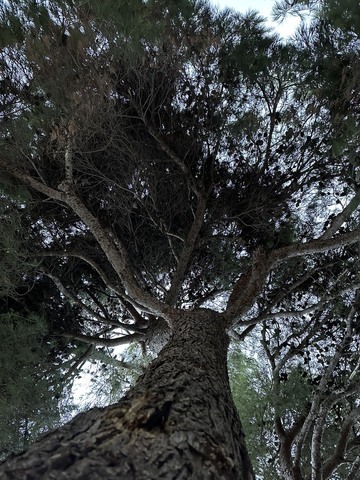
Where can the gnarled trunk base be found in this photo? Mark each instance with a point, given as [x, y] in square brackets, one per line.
[177, 422]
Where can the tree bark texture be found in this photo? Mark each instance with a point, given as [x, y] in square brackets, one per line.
[178, 422]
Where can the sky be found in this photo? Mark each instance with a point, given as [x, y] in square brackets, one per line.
[264, 7]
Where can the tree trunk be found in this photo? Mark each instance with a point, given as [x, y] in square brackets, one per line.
[178, 422]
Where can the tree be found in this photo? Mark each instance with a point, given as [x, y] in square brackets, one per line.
[177, 157]
[251, 391]
[30, 390]
[304, 411]
[34, 395]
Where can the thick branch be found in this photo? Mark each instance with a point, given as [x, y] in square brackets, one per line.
[248, 287]
[315, 408]
[105, 342]
[32, 182]
[116, 254]
[316, 460]
[241, 336]
[299, 313]
[341, 446]
[315, 246]
[187, 250]
[68, 164]
[111, 246]
[342, 217]
[117, 289]
[281, 315]
[79, 362]
[165, 147]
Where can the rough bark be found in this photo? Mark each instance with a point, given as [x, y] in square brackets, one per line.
[177, 422]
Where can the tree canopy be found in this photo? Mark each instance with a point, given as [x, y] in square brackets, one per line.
[164, 156]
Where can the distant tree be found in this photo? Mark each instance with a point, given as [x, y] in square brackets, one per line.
[32, 397]
[300, 409]
[189, 175]
[251, 389]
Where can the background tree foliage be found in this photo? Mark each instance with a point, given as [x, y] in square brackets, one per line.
[196, 143]
[33, 397]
